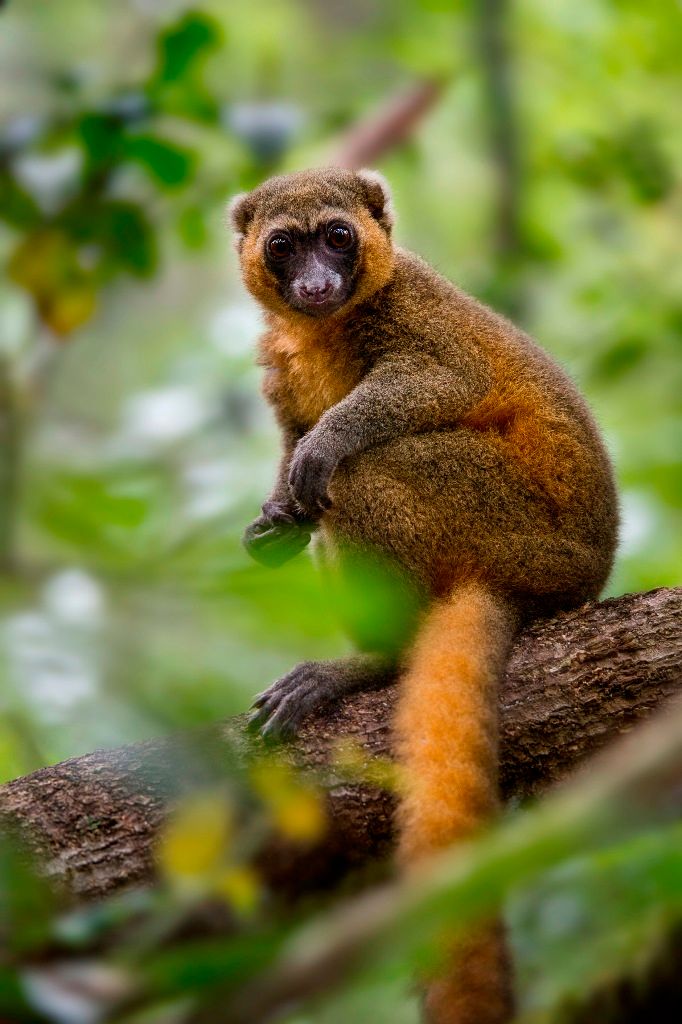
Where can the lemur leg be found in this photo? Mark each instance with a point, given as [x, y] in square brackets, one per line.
[281, 708]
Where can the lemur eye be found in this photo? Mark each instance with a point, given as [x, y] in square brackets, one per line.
[279, 246]
[339, 236]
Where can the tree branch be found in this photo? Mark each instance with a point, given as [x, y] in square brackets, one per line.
[573, 684]
[389, 126]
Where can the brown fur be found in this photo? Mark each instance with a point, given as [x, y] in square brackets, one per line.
[451, 444]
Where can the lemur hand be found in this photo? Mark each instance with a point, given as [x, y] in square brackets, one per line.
[276, 535]
[312, 466]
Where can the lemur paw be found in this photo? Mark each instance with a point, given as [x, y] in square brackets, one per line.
[280, 710]
[311, 470]
[276, 535]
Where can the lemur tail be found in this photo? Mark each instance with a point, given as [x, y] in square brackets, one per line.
[447, 742]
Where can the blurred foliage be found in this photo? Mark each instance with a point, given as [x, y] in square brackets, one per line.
[134, 448]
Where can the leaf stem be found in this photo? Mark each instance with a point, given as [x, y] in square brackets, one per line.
[11, 436]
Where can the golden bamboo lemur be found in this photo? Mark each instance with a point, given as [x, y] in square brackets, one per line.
[419, 424]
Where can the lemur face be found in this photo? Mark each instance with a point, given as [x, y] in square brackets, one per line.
[315, 242]
[315, 269]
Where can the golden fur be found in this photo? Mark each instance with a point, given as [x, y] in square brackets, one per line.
[311, 364]
[446, 736]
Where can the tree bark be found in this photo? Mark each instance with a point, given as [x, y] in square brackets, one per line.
[572, 685]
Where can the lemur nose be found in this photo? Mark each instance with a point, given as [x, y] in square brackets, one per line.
[316, 291]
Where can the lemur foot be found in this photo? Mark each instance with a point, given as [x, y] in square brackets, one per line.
[280, 710]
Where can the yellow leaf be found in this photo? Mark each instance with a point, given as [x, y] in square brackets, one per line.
[47, 265]
[301, 816]
[196, 840]
[273, 780]
[240, 886]
[357, 765]
[296, 808]
[41, 261]
[69, 309]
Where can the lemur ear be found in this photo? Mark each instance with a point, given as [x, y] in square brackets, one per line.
[240, 211]
[378, 198]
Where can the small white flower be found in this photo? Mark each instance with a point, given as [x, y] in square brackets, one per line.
[638, 522]
[46, 667]
[75, 597]
[233, 329]
[49, 177]
[164, 415]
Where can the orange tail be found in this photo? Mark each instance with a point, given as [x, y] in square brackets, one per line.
[447, 741]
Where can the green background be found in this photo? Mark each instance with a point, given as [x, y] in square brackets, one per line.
[135, 446]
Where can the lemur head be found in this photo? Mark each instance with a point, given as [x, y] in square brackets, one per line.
[316, 242]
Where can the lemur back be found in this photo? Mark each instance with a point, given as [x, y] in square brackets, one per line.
[421, 427]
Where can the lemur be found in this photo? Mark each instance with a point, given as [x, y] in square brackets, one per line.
[419, 425]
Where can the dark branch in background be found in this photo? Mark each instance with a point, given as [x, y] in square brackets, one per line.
[372, 137]
[492, 29]
[573, 684]
[382, 131]
[653, 994]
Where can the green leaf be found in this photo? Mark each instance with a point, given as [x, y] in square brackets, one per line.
[13, 1006]
[123, 231]
[17, 207]
[101, 137]
[191, 227]
[183, 43]
[107, 515]
[169, 164]
[209, 964]
[26, 902]
[645, 163]
[624, 356]
[130, 237]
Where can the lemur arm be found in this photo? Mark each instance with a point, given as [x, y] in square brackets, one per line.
[397, 397]
[280, 494]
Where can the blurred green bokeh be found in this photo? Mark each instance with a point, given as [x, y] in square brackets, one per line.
[134, 446]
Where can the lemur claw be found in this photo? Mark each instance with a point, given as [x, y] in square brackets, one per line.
[280, 710]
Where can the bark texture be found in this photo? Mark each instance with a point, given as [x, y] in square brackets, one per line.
[572, 685]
